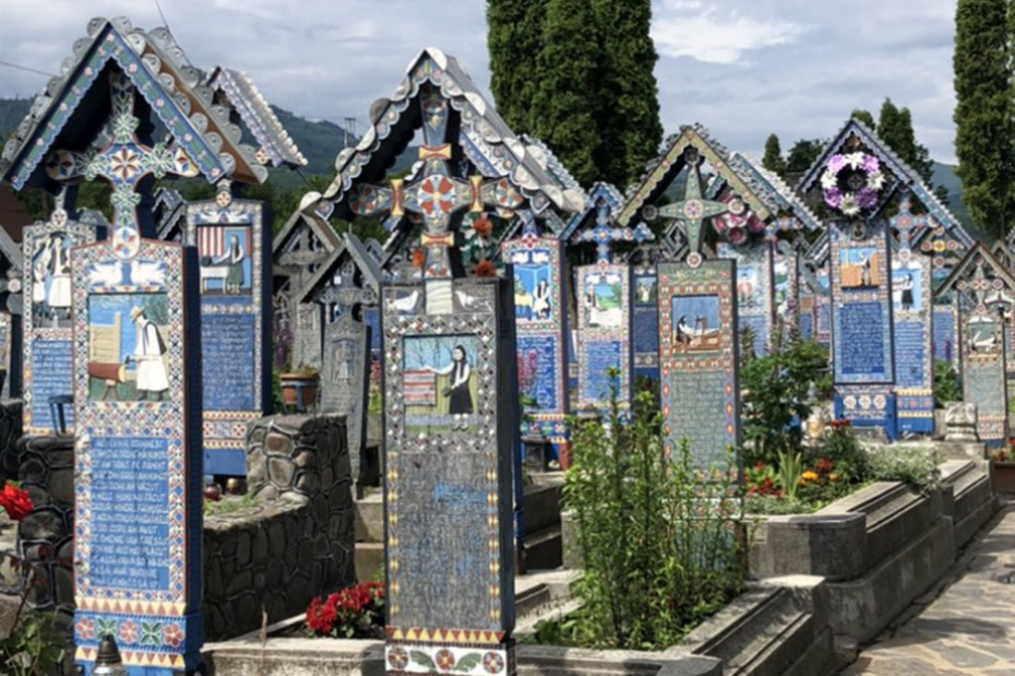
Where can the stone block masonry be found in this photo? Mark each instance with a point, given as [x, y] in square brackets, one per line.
[296, 541]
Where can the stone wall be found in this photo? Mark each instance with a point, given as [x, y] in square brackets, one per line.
[296, 540]
[46, 536]
[10, 435]
[290, 541]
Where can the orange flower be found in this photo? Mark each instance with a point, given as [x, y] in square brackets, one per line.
[809, 475]
[418, 258]
[486, 269]
[483, 226]
[16, 502]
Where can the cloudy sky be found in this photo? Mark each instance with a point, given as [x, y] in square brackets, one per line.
[744, 68]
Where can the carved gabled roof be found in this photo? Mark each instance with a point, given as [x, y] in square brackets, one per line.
[485, 137]
[963, 269]
[819, 249]
[549, 161]
[905, 176]
[170, 210]
[306, 216]
[779, 193]
[157, 67]
[665, 168]
[257, 116]
[361, 257]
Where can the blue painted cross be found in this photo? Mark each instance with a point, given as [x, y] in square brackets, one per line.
[908, 225]
[121, 159]
[604, 234]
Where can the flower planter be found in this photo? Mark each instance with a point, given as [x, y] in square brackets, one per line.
[1002, 476]
[299, 391]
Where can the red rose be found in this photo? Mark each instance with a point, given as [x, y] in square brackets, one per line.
[16, 502]
[486, 269]
[483, 226]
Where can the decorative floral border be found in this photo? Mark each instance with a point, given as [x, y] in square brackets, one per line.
[450, 658]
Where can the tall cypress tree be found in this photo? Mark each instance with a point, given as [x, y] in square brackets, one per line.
[514, 38]
[565, 104]
[773, 160]
[628, 94]
[984, 113]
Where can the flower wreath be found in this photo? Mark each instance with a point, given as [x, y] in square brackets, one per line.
[852, 182]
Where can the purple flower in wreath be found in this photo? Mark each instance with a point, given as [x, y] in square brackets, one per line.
[833, 197]
[867, 197]
[852, 182]
[836, 163]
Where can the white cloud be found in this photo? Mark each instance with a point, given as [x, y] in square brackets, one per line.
[800, 65]
[713, 37]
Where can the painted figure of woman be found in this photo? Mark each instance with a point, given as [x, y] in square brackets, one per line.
[233, 257]
[460, 399]
[907, 292]
[59, 295]
[541, 300]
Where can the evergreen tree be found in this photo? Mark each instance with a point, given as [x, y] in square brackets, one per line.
[565, 104]
[628, 120]
[983, 115]
[802, 155]
[864, 116]
[773, 160]
[895, 128]
[514, 38]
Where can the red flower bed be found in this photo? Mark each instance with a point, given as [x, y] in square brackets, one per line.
[16, 502]
[354, 612]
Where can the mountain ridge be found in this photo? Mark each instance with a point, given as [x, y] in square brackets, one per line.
[320, 141]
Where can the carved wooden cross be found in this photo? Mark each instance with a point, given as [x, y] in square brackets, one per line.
[605, 234]
[118, 157]
[690, 213]
[906, 224]
[436, 195]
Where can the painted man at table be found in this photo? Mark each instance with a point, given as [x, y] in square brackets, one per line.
[152, 380]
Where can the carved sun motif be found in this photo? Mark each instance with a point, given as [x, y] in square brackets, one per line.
[125, 164]
[694, 209]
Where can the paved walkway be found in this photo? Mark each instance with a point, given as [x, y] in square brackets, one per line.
[965, 625]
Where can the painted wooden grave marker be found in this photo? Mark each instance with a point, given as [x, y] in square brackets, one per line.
[230, 237]
[913, 326]
[48, 330]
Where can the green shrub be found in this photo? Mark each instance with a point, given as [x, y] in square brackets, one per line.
[777, 392]
[657, 534]
[911, 464]
[946, 384]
